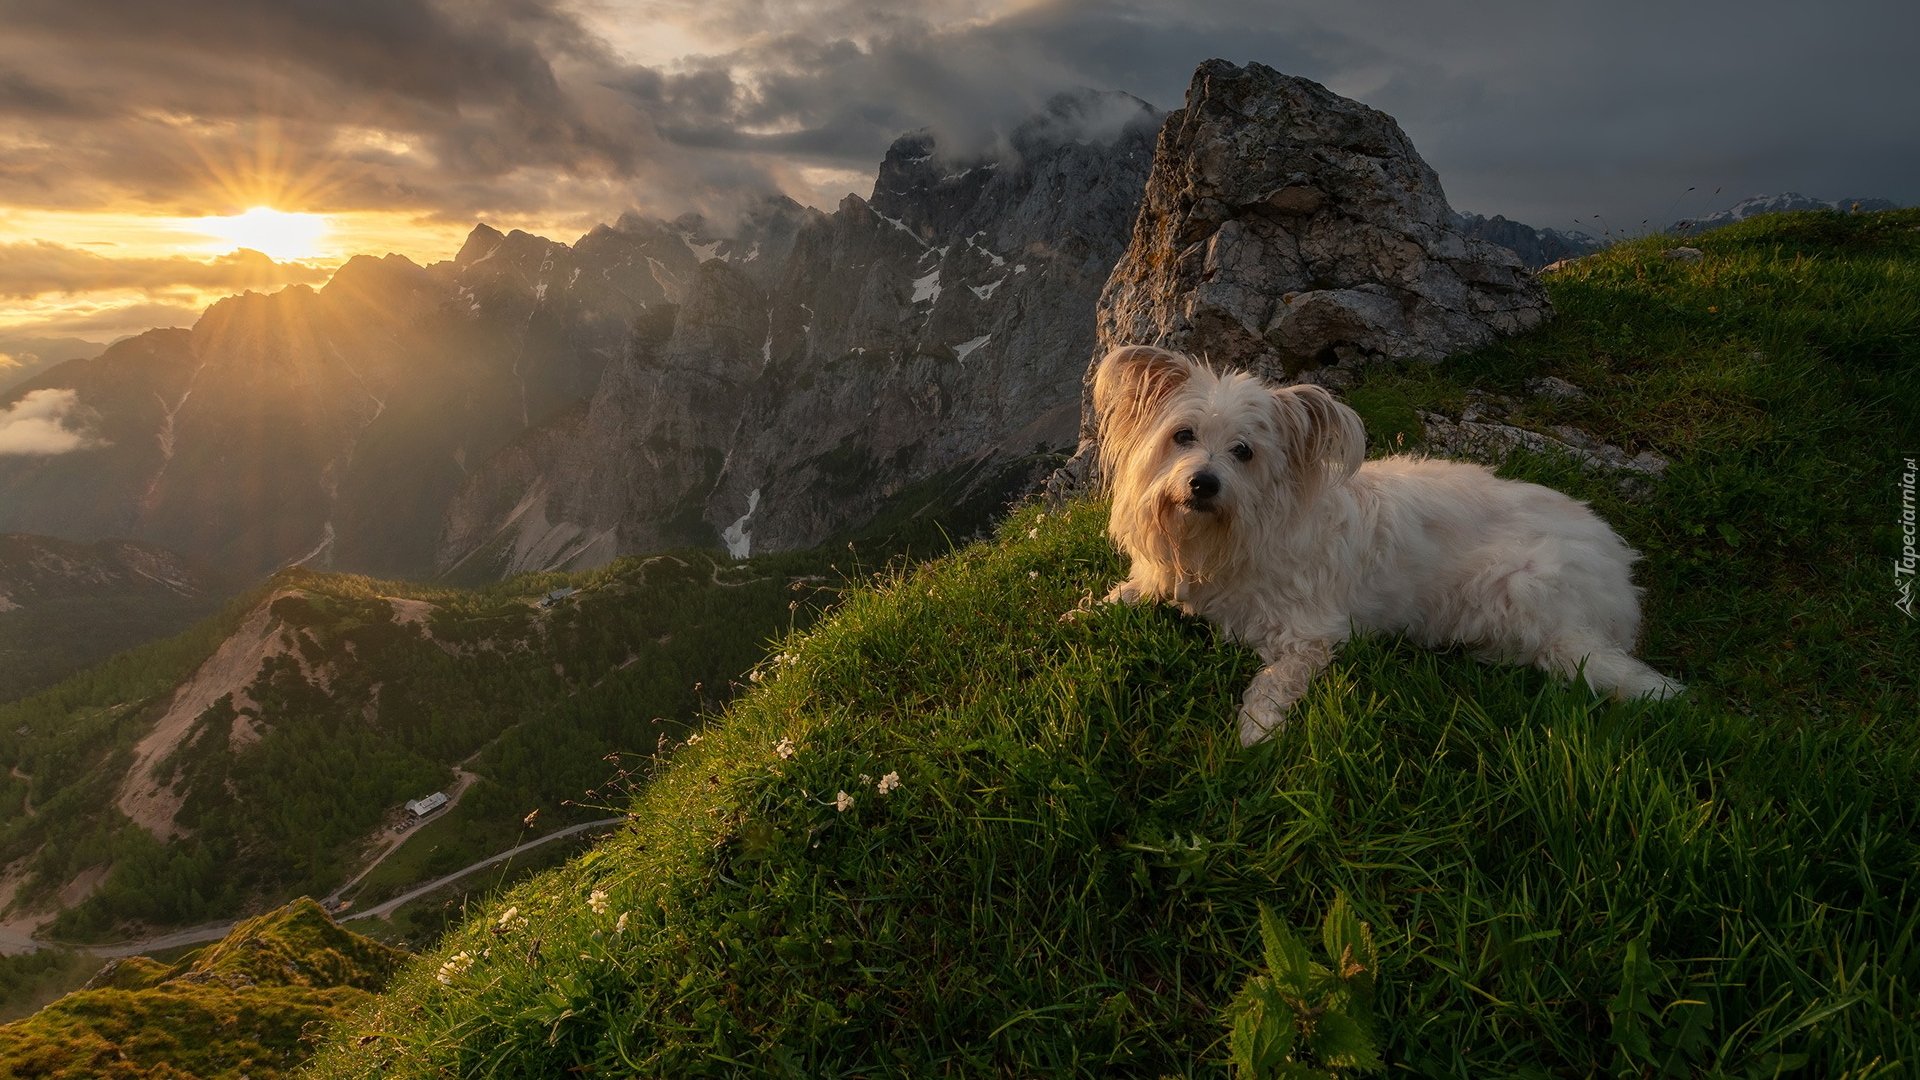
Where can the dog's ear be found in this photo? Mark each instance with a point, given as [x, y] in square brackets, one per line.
[1130, 386]
[1324, 438]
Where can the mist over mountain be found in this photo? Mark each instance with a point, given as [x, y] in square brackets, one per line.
[331, 425]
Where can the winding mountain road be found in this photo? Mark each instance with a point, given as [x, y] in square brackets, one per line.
[389, 907]
[194, 935]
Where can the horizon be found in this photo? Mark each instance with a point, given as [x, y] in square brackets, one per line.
[156, 152]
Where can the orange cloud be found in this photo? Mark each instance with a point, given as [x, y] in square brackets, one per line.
[38, 268]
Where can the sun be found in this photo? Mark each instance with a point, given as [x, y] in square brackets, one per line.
[274, 233]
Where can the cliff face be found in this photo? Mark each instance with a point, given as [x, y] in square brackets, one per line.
[1287, 229]
[774, 402]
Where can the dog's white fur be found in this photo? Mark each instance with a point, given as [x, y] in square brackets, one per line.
[1302, 542]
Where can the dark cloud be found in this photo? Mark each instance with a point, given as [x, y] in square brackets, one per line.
[1549, 113]
[38, 268]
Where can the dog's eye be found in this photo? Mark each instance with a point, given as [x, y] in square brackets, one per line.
[1242, 451]
[1183, 437]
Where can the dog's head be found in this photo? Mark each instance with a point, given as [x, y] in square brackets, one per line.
[1204, 467]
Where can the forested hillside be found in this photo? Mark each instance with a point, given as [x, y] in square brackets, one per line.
[342, 698]
[264, 753]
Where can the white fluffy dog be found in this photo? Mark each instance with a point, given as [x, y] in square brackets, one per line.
[1250, 506]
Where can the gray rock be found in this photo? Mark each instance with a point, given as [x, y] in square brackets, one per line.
[1554, 388]
[1684, 254]
[1285, 228]
[1474, 438]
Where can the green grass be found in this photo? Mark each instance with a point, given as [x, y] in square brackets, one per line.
[1067, 880]
[248, 1005]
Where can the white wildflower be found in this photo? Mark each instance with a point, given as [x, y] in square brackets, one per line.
[784, 748]
[691, 739]
[843, 802]
[1033, 573]
[865, 779]
[510, 919]
[455, 965]
[1033, 534]
[888, 783]
[754, 675]
[598, 901]
[620, 925]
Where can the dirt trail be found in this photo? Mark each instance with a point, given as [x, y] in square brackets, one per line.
[26, 804]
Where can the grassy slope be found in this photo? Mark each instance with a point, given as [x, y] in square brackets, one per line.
[245, 1006]
[1067, 878]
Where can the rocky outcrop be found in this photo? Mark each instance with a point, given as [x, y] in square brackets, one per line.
[1287, 229]
[943, 320]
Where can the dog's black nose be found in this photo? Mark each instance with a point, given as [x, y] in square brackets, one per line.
[1204, 485]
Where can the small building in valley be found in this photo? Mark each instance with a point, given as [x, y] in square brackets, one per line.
[556, 596]
[419, 808]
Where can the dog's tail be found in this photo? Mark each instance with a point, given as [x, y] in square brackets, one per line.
[1610, 670]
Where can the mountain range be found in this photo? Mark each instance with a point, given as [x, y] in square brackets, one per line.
[536, 405]
[756, 385]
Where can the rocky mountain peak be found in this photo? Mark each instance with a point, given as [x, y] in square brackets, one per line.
[1286, 229]
[479, 244]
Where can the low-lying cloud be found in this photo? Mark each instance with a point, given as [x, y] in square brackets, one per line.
[38, 268]
[46, 422]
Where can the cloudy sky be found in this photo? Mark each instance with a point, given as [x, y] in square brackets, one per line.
[136, 136]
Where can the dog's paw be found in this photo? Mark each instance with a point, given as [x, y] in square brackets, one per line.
[1259, 720]
[1260, 717]
[1124, 593]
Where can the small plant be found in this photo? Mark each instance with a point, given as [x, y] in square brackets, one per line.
[1303, 1009]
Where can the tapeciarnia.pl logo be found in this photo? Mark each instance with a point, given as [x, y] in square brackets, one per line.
[1904, 566]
